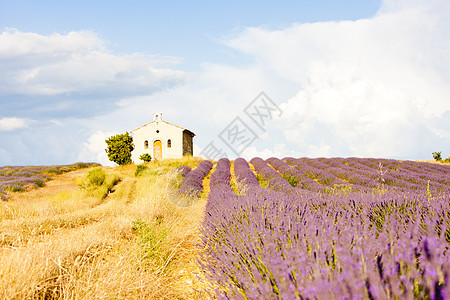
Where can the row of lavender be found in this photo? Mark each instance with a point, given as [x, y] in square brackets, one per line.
[282, 242]
[19, 178]
[325, 174]
[363, 174]
[192, 183]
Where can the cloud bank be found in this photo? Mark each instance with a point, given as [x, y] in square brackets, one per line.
[375, 87]
[94, 149]
[371, 87]
[64, 82]
[61, 74]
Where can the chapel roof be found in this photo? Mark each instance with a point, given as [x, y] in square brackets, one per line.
[184, 129]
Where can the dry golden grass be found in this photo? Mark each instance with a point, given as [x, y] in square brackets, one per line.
[433, 161]
[233, 181]
[65, 242]
[205, 182]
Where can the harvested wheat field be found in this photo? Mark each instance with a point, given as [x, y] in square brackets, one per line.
[101, 233]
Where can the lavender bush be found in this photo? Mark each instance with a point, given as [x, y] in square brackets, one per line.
[275, 181]
[220, 186]
[244, 175]
[220, 178]
[21, 178]
[184, 170]
[248, 183]
[192, 183]
[269, 244]
[294, 176]
[320, 175]
[369, 174]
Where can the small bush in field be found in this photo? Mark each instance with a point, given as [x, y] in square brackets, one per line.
[39, 182]
[98, 183]
[145, 157]
[15, 188]
[140, 169]
[81, 165]
[437, 156]
[96, 177]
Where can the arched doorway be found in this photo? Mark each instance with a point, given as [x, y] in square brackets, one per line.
[157, 149]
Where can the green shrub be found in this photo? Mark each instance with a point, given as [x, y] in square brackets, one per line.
[140, 169]
[53, 171]
[39, 182]
[82, 165]
[14, 188]
[96, 177]
[110, 181]
[437, 156]
[145, 157]
[98, 183]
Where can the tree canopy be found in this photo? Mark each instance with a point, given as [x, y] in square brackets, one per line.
[119, 148]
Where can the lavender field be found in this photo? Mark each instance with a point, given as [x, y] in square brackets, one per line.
[325, 228]
[21, 178]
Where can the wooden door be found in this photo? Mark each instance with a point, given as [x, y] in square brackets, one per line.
[157, 150]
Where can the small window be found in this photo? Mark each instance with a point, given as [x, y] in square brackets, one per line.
[146, 144]
[169, 143]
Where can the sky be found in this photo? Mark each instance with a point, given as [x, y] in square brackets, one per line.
[344, 78]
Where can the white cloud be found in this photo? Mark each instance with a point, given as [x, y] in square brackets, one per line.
[16, 43]
[279, 150]
[94, 149]
[76, 68]
[10, 124]
[371, 87]
[214, 97]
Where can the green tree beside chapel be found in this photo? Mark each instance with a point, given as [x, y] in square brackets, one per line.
[119, 148]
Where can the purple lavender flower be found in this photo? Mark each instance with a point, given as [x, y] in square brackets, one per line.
[283, 245]
[243, 174]
[184, 170]
[192, 184]
[20, 178]
[275, 181]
